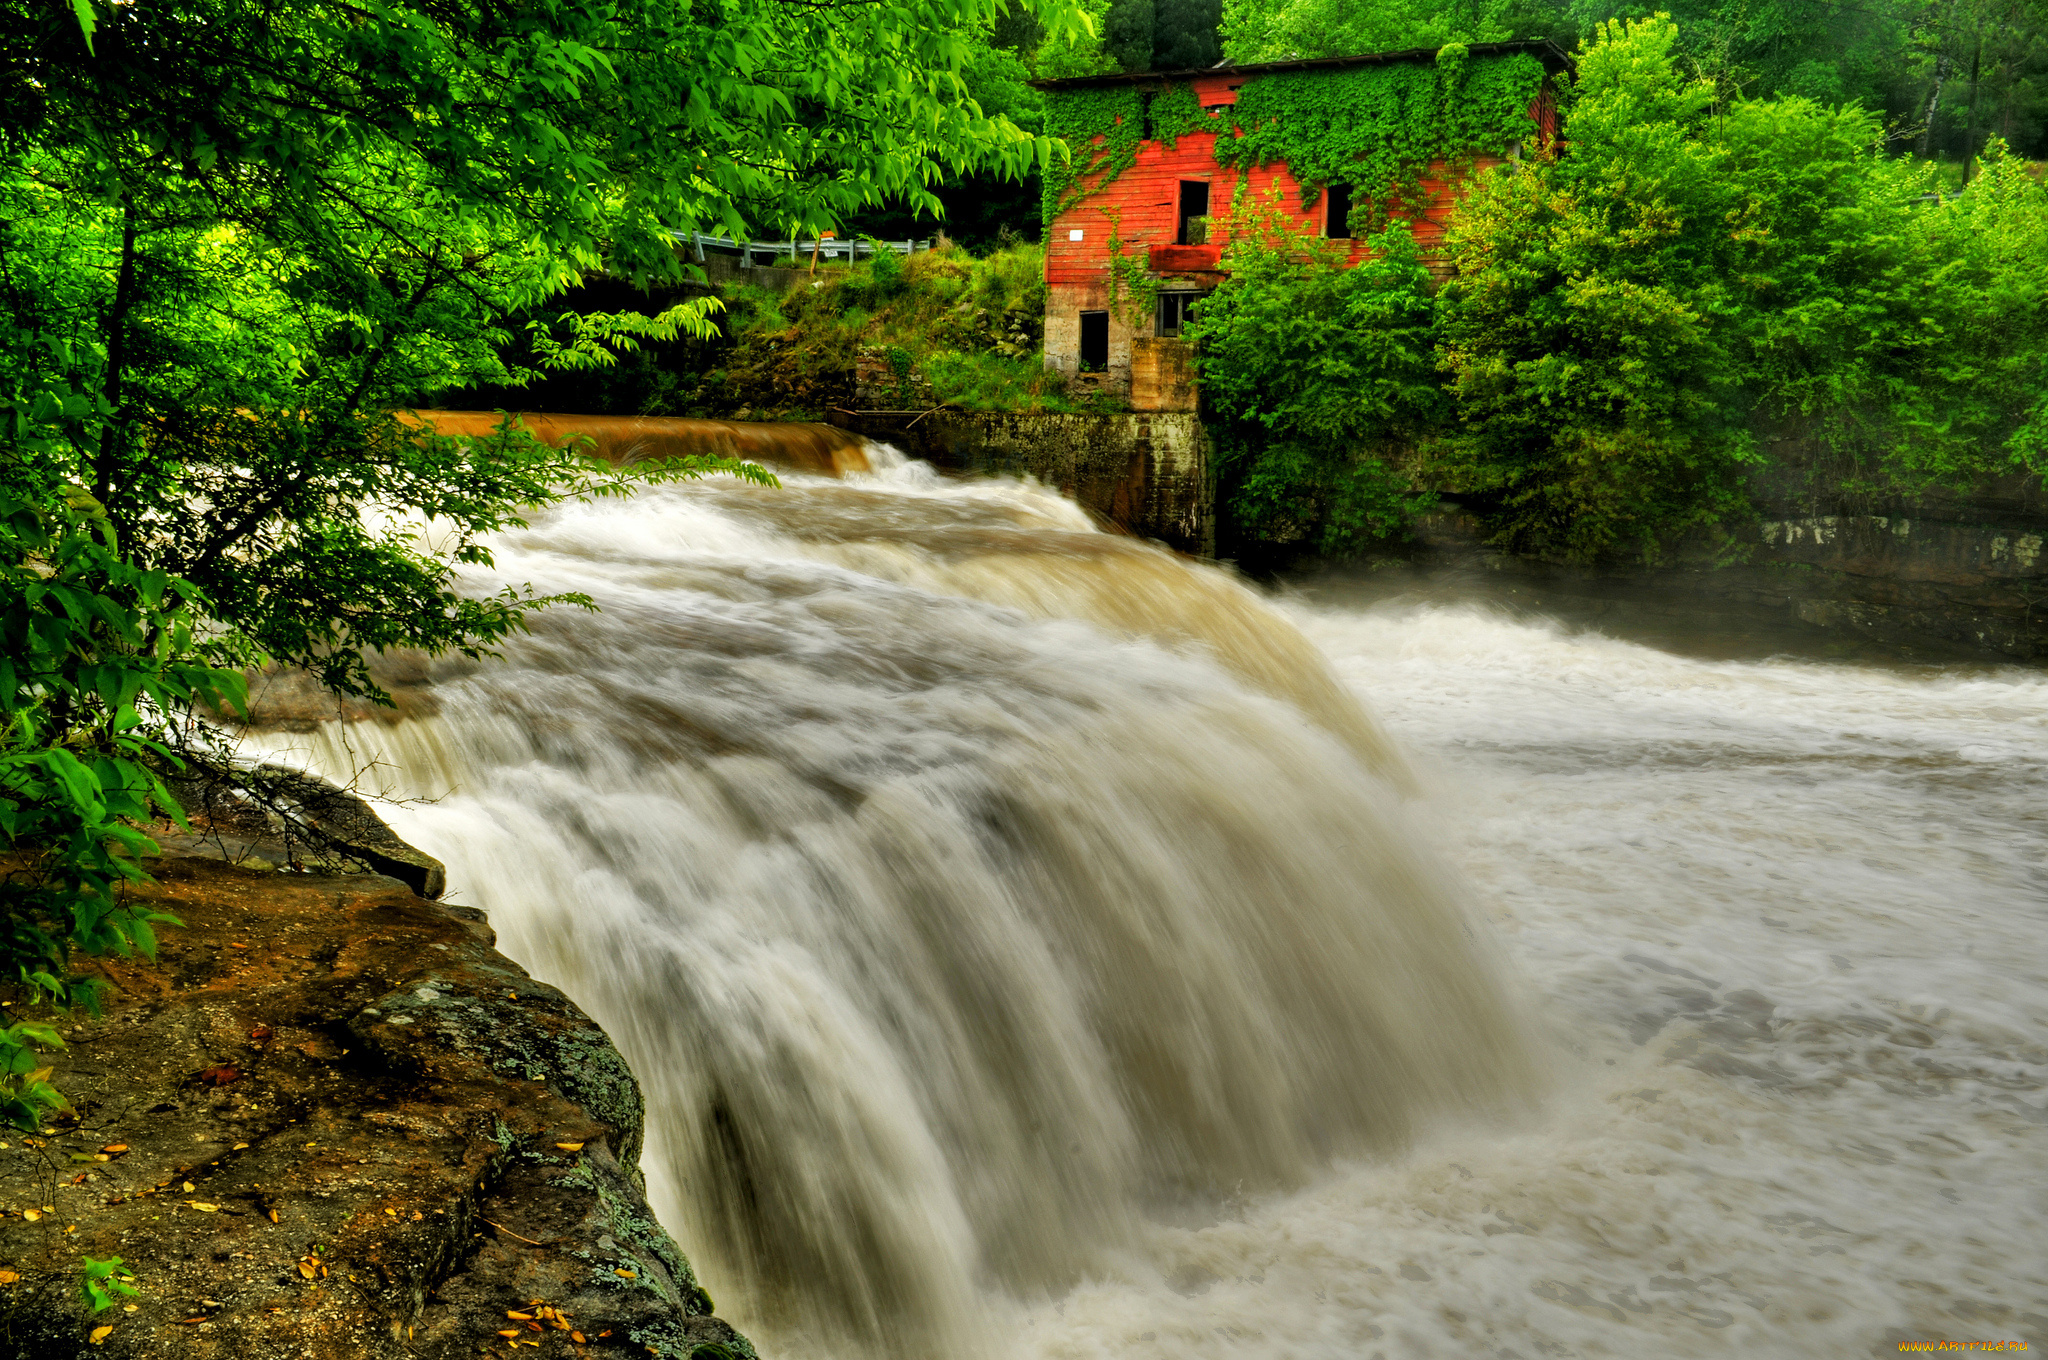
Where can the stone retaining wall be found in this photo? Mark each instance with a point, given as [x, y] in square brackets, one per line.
[1147, 472]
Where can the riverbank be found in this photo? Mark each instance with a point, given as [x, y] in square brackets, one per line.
[331, 1119]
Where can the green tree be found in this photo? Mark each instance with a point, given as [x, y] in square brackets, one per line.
[1326, 378]
[1597, 395]
[233, 237]
[1629, 318]
[1185, 34]
[1284, 30]
[1127, 33]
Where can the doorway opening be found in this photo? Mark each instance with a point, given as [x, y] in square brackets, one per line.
[1094, 341]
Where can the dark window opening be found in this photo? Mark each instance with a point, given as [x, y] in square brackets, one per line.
[1337, 217]
[1094, 341]
[1175, 310]
[1194, 202]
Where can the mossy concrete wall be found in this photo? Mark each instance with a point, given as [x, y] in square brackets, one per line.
[1147, 472]
[1967, 568]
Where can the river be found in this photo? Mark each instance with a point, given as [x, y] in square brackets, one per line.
[1034, 945]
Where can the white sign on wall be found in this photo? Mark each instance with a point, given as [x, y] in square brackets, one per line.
[1074, 235]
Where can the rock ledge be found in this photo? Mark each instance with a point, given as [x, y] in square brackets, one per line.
[333, 1121]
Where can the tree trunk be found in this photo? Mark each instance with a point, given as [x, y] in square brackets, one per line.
[1941, 65]
[1970, 127]
[106, 457]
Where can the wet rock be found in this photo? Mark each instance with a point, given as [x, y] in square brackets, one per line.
[333, 1121]
[298, 819]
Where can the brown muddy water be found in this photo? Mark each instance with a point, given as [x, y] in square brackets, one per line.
[1036, 945]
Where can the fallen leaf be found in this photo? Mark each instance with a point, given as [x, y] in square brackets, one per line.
[102, 1157]
[509, 1331]
[576, 1337]
[204, 1208]
[235, 944]
[518, 1317]
[130, 1307]
[219, 1075]
[31, 1215]
[306, 1269]
[239, 1146]
[392, 1212]
[570, 1147]
[8, 1277]
[100, 1334]
[115, 1147]
[627, 1274]
[260, 1035]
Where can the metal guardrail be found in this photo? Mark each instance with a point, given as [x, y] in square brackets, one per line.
[795, 251]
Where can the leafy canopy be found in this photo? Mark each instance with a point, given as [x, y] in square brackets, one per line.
[1626, 318]
[235, 238]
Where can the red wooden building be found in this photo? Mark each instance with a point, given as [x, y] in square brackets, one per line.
[1172, 206]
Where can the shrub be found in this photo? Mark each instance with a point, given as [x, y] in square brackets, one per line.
[1324, 375]
[1626, 319]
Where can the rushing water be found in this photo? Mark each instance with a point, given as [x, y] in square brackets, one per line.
[1031, 948]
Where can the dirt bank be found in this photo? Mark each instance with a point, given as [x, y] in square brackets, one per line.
[333, 1121]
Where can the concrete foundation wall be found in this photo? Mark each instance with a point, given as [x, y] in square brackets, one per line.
[1162, 374]
[1064, 303]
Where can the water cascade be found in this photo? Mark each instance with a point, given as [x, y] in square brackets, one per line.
[968, 887]
[1031, 948]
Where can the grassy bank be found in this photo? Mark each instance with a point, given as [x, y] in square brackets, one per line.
[942, 328]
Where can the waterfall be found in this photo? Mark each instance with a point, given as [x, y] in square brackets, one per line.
[967, 887]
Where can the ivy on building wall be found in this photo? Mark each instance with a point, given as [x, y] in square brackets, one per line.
[1124, 116]
[1133, 292]
[1375, 128]
[1378, 128]
[1173, 113]
[1115, 113]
